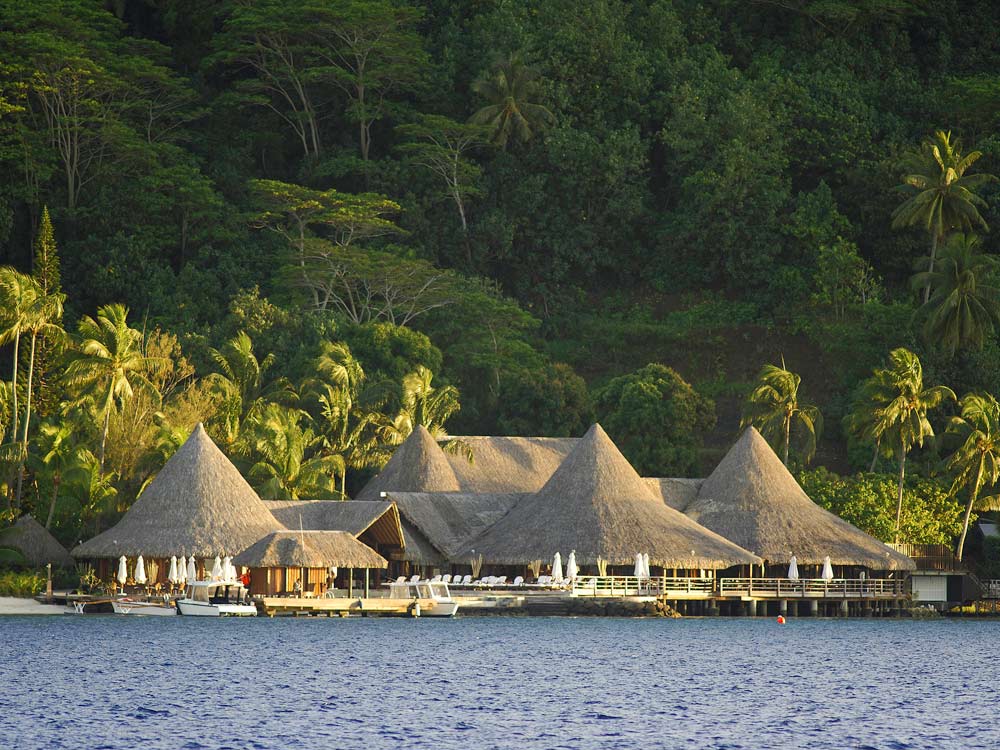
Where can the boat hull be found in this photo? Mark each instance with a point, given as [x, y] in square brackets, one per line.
[202, 609]
[144, 608]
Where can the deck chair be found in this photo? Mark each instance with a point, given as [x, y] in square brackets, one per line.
[436, 578]
[502, 581]
[401, 579]
[446, 578]
[414, 578]
[467, 580]
[519, 580]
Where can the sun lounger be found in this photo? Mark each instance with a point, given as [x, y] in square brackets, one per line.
[467, 580]
[414, 579]
[436, 579]
[446, 578]
[519, 581]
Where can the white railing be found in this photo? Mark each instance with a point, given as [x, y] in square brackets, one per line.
[781, 588]
[633, 586]
[991, 588]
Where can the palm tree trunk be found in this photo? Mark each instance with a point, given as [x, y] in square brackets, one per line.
[13, 389]
[899, 492]
[878, 444]
[27, 420]
[104, 434]
[973, 496]
[343, 484]
[52, 502]
[788, 432]
[930, 268]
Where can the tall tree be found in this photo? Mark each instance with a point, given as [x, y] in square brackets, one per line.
[422, 403]
[963, 308]
[773, 407]
[976, 462]
[18, 295]
[111, 363]
[942, 196]
[511, 89]
[899, 404]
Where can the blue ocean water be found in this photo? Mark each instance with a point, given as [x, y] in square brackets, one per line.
[470, 683]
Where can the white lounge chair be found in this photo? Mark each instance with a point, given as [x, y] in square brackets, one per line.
[467, 580]
[414, 578]
[401, 579]
[446, 578]
[502, 581]
[436, 578]
[519, 580]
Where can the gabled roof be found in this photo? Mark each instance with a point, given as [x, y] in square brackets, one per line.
[753, 500]
[309, 549]
[199, 504]
[357, 517]
[596, 504]
[417, 465]
[35, 543]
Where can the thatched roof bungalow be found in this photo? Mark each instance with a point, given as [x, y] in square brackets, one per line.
[377, 524]
[35, 543]
[309, 549]
[199, 504]
[754, 501]
[596, 503]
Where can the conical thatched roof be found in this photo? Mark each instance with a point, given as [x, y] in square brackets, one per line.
[35, 543]
[417, 465]
[595, 503]
[752, 499]
[508, 464]
[309, 549]
[199, 504]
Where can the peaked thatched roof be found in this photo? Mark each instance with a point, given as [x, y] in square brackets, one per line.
[595, 503]
[380, 518]
[309, 549]
[752, 499]
[417, 465]
[677, 493]
[419, 549]
[450, 520]
[508, 464]
[198, 504]
[35, 543]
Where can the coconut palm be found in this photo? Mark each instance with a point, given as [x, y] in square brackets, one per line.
[18, 293]
[111, 364]
[60, 457]
[773, 407]
[282, 445]
[511, 88]
[942, 196]
[899, 405]
[976, 462]
[963, 308]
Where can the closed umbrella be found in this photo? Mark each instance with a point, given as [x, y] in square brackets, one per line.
[637, 568]
[122, 570]
[192, 573]
[140, 571]
[217, 569]
[645, 565]
[172, 572]
[793, 569]
[571, 569]
[229, 570]
[557, 567]
[182, 567]
[827, 574]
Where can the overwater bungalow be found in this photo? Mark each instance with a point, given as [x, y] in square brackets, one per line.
[35, 544]
[754, 501]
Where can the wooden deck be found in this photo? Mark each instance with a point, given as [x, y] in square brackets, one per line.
[742, 589]
[342, 607]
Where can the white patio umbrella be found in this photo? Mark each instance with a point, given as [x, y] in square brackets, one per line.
[827, 574]
[228, 570]
[140, 571]
[571, 569]
[557, 572]
[637, 568]
[192, 572]
[182, 567]
[645, 565]
[172, 572]
[122, 570]
[217, 569]
[793, 569]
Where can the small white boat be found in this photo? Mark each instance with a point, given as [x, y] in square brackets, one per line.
[442, 605]
[216, 599]
[135, 607]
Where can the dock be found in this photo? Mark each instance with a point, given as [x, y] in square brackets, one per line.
[272, 606]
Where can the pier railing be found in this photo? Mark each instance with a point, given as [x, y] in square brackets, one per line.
[633, 586]
[758, 588]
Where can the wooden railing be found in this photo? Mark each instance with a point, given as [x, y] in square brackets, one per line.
[769, 588]
[991, 588]
[930, 556]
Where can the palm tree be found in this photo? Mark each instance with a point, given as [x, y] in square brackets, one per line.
[977, 460]
[963, 307]
[863, 422]
[510, 87]
[18, 293]
[60, 457]
[43, 317]
[421, 404]
[773, 406]
[899, 405]
[111, 363]
[282, 444]
[942, 196]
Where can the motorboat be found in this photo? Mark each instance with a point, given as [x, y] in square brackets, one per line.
[440, 602]
[128, 606]
[216, 599]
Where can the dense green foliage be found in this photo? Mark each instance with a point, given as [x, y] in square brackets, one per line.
[529, 200]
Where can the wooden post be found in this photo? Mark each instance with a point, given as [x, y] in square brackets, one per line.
[350, 583]
[814, 607]
[782, 607]
[844, 608]
[366, 583]
[48, 582]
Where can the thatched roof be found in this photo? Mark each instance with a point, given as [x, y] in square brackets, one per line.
[752, 499]
[35, 543]
[677, 493]
[380, 519]
[198, 504]
[309, 549]
[417, 465]
[508, 464]
[595, 503]
[450, 520]
[419, 549]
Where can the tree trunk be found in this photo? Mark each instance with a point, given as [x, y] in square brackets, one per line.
[899, 492]
[788, 434]
[52, 502]
[930, 268]
[13, 389]
[878, 444]
[104, 434]
[973, 496]
[27, 420]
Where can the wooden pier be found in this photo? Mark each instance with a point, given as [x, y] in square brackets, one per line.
[342, 606]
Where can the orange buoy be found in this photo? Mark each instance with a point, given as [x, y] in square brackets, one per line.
[781, 619]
